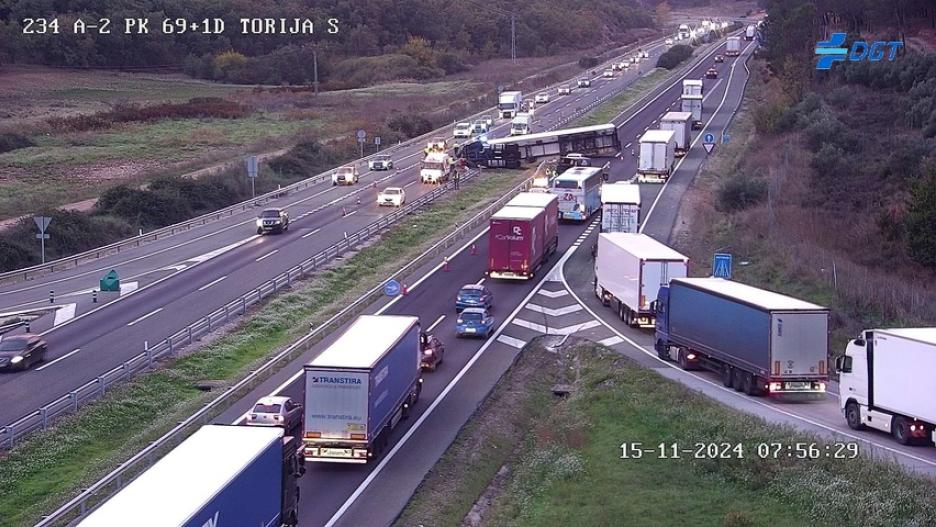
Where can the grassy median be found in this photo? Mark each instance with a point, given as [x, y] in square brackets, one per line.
[52, 466]
[529, 458]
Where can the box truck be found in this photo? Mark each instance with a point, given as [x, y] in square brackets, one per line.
[692, 87]
[886, 383]
[518, 243]
[620, 207]
[509, 104]
[733, 46]
[693, 105]
[436, 168]
[520, 125]
[629, 270]
[548, 202]
[360, 387]
[681, 125]
[656, 156]
[760, 342]
[220, 475]
[749, 32]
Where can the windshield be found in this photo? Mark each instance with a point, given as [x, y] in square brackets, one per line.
[471, 317]
[12, 345]
[432, 166]
[266, 408]
[565, 183]
[470, 293]
[461, 127]
[507, 105]
[345, 171]
[392, 191]
[270, 214]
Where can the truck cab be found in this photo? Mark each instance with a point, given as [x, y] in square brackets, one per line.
[346, 175]
[436, 168]
[584, 82]
[520, 124]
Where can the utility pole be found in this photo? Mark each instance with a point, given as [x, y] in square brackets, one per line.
[315, 69]
[513, 36]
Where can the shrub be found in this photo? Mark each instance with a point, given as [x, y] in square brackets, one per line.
[450, 63]
[920, 223]
[738, 519]
[11, 141]
[674, 56]
[588, 62]
[740, 192]
[410, 125]
[199, 107]
[364, 71]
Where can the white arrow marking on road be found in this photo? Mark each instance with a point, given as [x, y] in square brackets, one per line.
[209, 284]
[267, 255]
[553, 294]
[510, 341]
[69, 354]
[129, 287]
[64, 313]
[611, 341]
[568, 330]
[222, 250]
[554, 312]
[144, 317]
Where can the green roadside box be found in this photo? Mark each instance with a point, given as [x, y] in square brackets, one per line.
[110, 282]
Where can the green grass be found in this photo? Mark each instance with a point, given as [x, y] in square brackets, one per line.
[612, 107]
[50, 467]
[568, 469]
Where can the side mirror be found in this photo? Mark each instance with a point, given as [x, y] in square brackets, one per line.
[859, 341]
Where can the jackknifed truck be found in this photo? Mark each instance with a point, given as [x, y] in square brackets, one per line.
[886, 383]
[760, 342]
[360, 387]
[221, 475]
[657, 155]
[629, 270]
[681, 125]
[520, 240]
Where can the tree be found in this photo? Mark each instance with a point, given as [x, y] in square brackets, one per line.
[419, 49]
[663, 13]
[920, 225]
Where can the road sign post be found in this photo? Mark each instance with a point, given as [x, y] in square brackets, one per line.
[252, 169]
[361, 137]
[721, 265]
[708, 142]
[43, 223]
[377, 142]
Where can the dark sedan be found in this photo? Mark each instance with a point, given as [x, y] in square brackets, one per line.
[18, 352]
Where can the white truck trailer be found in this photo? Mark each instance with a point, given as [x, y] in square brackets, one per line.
[657, 155]
[886, 383]
[733, 46]
[681, 125]
[620, 207]
[693, 104]
[692, 87]
[509, 104]
[629, 270]
[749, 32]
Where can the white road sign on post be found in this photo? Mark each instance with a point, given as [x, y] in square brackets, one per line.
[43, 223]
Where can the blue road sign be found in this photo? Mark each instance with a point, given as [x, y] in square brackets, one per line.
[721, 265]
[725, 138]
[708, 138]
[391, 288]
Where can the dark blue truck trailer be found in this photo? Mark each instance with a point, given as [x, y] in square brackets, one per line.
[760, 342]
[360, 387]
[221, 475]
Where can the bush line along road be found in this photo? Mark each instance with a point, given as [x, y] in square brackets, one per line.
[452, 393]
[179, 279]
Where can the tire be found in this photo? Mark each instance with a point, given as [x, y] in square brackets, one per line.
[286, 228]
[681, 359]
[737, 377]
[747, 384]
[661, 351]
[900, 429]
[259, 231]
[726, 376]
[853, 416]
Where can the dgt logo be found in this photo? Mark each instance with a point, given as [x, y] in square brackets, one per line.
[830, 51]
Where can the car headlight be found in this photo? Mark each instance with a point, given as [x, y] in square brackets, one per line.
[259, 223]
[16, 360]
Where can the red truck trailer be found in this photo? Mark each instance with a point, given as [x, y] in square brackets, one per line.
[519, 242]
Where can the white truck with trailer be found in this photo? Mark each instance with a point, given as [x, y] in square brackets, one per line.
[620, 207]
[657, 155]
[360, 387]
[886, 383]
[693, 104]
[520, 125]
[681, 125]
[749, 32]
[692, 87]
[733, 46]
[509, 104]
[629, 270]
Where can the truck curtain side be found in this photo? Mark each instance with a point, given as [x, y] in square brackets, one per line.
[550, 204]
[359, 388]
[220, 475]
[886, 383]
[759, 341]
[517, 242]
[629, 270]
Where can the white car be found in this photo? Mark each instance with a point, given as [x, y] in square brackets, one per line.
[608, 74]
[584, 82]
[480, 127]
[380, 162]
[489, 119]
[275, 411]
[391, 196]
[625, 66]
[462, 130]
[669, 42]
[541, 97]
[645, 54]
[565, 90]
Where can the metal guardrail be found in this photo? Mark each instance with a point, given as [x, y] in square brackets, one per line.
[30, 273]
[70, 513]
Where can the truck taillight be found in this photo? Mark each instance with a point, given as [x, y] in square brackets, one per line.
[643, 300]
[358, 436]
[775, 387]
[524, 265]
[822, 370]
[313, 435]
[776, 367]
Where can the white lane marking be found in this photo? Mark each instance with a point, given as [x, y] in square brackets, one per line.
[311, 233]
[436, 323]
[438, 400]
[510, 341]
[218, 252]
[129, 287]
[554, 312]
[209, 284]
[611, 341]
[146, 316]
[552, 294]
[69, 354]
[628, 145]
[66, 312]
[352, 213]
[479, 282]
[410, 184]
[692, 144]
[546, 330]
[267, 255]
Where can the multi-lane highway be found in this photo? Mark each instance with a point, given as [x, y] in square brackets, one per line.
[375, 494]
[179, 279]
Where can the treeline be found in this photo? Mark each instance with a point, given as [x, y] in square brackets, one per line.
[872, 149]
[438, 35]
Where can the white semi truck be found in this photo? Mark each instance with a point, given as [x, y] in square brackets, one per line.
[693, 104]
[620, 207]
[886, 383]
[733, 46]
[657, 155]
[692, 87]
[681, 125]
[509, 104]
[520, 125]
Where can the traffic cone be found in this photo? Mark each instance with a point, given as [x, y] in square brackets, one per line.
[404, 290]
[474, 249]
[344, 211]
[445, 264]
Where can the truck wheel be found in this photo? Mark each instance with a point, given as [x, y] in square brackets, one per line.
[661, 351]
[747, 384]
[737, 379]
[853, 416]
[900, 428]
[726, 376]
[681, 359]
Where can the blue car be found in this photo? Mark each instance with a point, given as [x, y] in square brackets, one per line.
[474, 322]
[473, 295]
